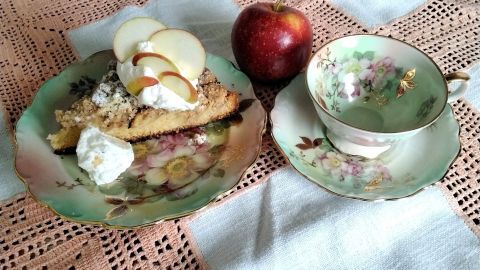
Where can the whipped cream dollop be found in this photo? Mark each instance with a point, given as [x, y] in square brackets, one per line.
[157, 96]
[160, 97]
[104, 157]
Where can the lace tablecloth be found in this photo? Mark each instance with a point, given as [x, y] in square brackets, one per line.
[35, 46]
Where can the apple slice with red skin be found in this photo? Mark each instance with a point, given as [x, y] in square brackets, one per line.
[136, 85]
[179, 85]
[183, 49]
[130, 33]
[157, 62]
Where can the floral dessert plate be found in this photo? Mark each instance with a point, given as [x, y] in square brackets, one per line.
[404, 170]
[171, 176]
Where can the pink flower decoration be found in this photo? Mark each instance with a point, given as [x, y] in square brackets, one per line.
[173, 160]
[383, 171]
[383, 71]
[353, 168]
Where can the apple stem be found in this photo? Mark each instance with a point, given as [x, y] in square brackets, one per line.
[277, 7]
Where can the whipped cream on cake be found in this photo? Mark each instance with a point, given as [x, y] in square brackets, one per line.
[160, 97]
[157, 96]
[102, 156]
[127, 71]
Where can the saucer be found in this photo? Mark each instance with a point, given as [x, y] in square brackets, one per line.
[405, 169]
[172, 176]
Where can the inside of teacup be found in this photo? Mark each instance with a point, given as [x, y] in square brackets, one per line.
[376, 83]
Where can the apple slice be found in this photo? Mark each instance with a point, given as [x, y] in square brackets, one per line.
[157, 62]
[183, 49]
[136, 85]
[130, 33]
[179, 85]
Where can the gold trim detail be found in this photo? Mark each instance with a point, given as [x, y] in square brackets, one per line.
[457, 76]
[406, 83]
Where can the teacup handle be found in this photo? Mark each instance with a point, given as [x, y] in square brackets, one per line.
[457, 76]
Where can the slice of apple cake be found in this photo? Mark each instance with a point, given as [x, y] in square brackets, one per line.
[117, 113]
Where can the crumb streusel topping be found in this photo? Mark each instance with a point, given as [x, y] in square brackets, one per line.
[109, 100]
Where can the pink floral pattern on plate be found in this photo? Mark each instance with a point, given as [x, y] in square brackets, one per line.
[170, 166]
[174, 160]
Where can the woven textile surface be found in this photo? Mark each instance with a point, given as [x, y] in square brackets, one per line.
[34, 47]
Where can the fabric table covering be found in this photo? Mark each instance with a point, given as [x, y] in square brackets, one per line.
[274, 218]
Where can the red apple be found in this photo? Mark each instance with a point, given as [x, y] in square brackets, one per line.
[271, 41]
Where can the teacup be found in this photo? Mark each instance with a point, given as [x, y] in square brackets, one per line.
[373, 91]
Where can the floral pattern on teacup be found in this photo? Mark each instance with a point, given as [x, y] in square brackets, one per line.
[365, 75]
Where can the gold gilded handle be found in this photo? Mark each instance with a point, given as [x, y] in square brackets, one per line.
[457, 76]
